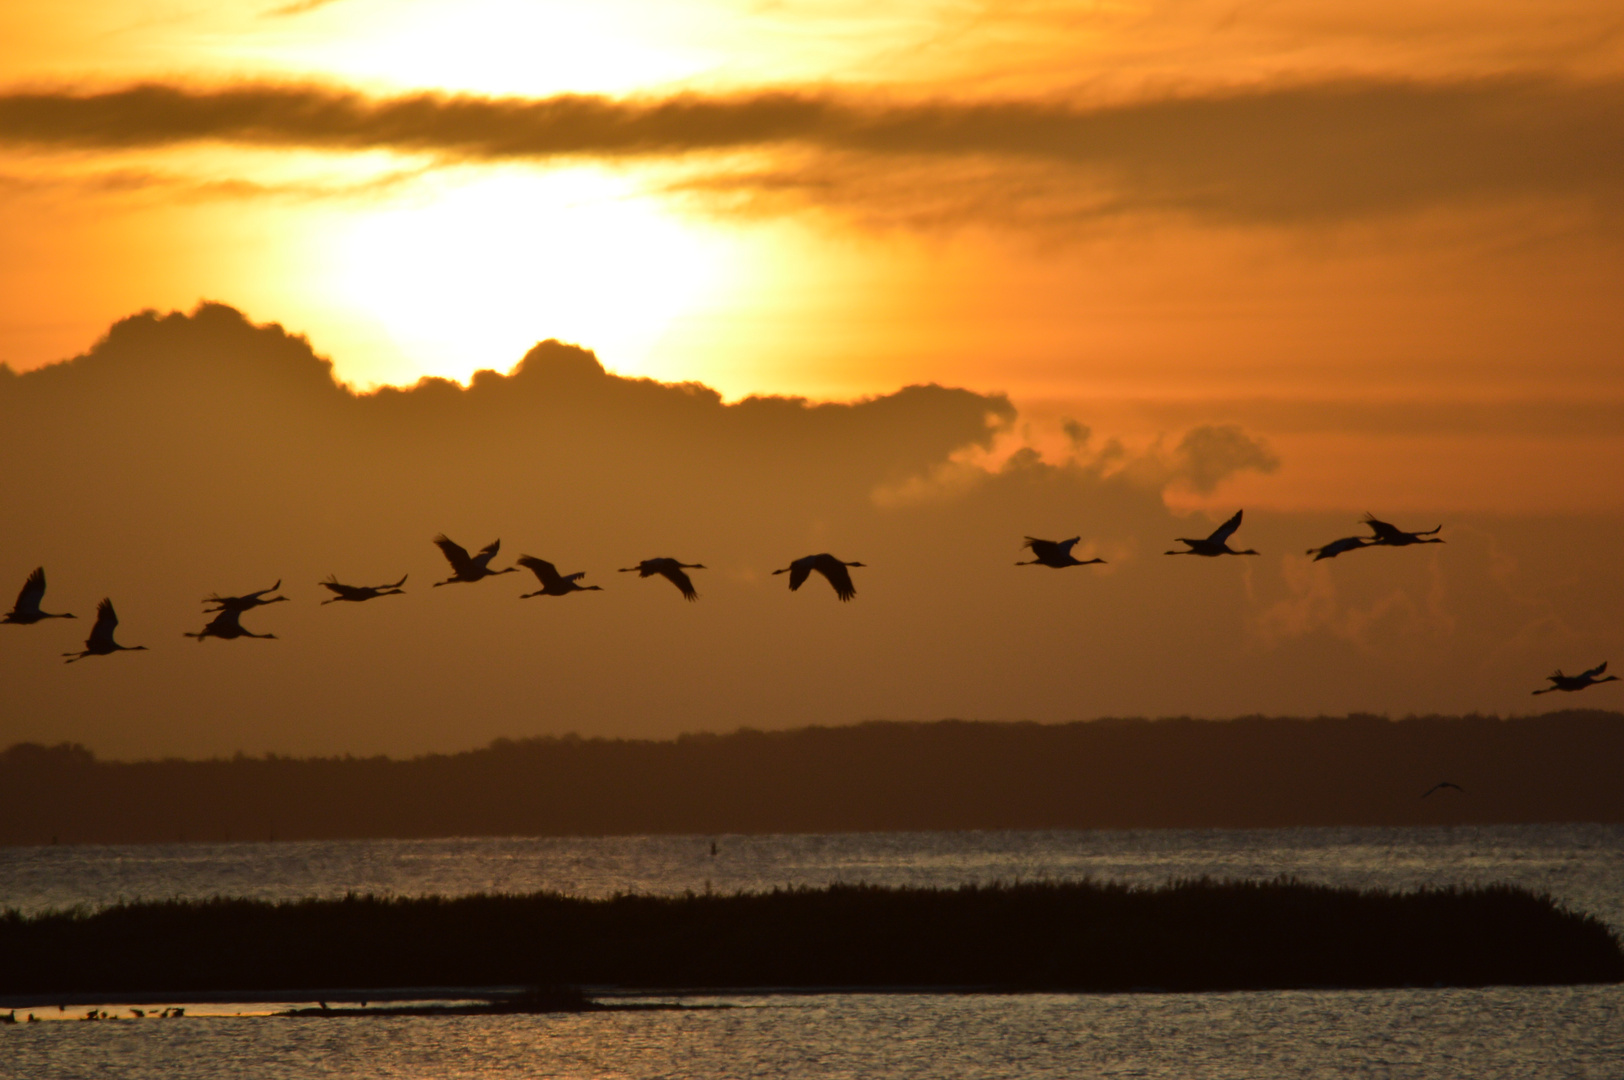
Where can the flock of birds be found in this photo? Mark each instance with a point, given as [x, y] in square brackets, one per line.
[467, 569]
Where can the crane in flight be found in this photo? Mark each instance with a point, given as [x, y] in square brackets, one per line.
[830, 567]
[671, 570]
[225, 626]
[359, 593]
[100, 642]
[240, 604]
[1392, 536]
[465, 567]
[1216, 544]
[26, 612]
[1054, 553]
[552, 582]
[1337, 547]
[1442, 785]
[1571, 683]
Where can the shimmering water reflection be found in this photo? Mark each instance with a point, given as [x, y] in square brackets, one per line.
[1432, 1034]
[1580, 864]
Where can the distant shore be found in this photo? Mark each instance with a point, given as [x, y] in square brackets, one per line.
[1186, 936]
[1247, 772]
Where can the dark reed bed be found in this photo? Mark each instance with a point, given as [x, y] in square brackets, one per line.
[1193, 935]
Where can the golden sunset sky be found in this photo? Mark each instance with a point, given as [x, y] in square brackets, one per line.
[1310, 259]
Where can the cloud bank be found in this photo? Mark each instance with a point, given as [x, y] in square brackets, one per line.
[190, 454]
[1329, 149]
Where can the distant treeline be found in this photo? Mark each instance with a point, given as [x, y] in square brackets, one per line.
[1189, 936]
[1179, 773]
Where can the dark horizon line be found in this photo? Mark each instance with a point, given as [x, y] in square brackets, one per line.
[72, 752]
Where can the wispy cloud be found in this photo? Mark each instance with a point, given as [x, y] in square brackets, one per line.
[1335, 149]
[298, 7]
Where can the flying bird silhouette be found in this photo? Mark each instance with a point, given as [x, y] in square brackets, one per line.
[1392, 536]
[100, 642]
[1579, 681]
[240, 604]
[1055, 553]
[552, 582]
[1337, 547]
[830, 567]
[671, 570]
[465, 567]
[26, 612]
[225, 626]
[359, 593]
[1216, 544]
[1441, 785]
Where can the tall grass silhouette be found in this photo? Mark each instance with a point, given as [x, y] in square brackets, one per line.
[1183, 936]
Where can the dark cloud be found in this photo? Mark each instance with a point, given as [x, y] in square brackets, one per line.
[1211, 453]
[1287, 152]
[1600, 416]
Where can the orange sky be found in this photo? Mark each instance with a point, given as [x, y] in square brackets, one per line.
[1284, 203]
[1382, 240]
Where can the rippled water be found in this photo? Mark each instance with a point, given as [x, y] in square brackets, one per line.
[1501, 1032]
[1431, 1034]
[1580, 864]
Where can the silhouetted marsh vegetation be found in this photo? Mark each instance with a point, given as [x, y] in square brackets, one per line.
[1186, 936]
[1250, 772]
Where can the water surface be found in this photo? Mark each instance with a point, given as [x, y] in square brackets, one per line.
[1432, 1033]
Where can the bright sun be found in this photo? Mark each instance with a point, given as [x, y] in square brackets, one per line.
[480, 265]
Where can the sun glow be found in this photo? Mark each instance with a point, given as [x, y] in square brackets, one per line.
[475, 269]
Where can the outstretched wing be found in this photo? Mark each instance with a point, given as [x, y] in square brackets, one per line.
[1337, 547]
[456, 554]
[545, 571]
[33, 591]
[835, 570]
[106, 622]
[346, 592]
[1050, 549]
[1593, 672]
[227, 620]
[799, 570]
[673, 573]
[1384, 532]
[487, 553]
[1223, 532]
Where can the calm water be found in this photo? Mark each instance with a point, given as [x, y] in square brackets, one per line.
[1558, 1032]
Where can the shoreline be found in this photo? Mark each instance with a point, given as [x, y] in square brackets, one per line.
[634, 998]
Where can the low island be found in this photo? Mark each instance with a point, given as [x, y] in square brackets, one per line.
[1047, 936]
